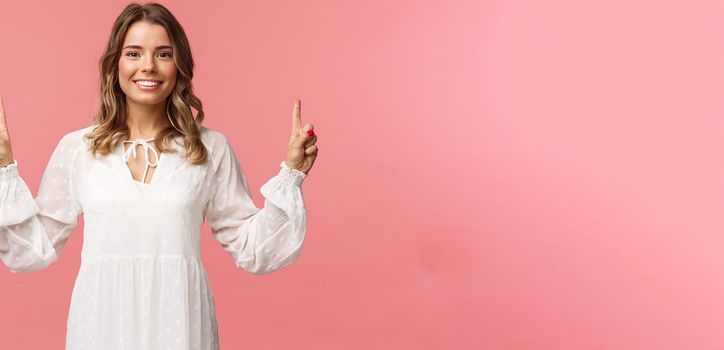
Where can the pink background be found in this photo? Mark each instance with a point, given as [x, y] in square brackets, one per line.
[492, 174]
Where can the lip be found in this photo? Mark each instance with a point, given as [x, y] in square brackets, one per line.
[147, 88]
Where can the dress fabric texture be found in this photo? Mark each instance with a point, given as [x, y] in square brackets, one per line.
[141, 284]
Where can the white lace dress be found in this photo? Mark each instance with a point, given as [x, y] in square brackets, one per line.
[141, 284]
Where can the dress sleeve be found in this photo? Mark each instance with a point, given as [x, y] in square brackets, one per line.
[34, 231]
[259, 240]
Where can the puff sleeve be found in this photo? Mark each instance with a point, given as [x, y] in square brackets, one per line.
[34, 231]
[259, 240]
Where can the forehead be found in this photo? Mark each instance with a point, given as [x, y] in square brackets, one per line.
[146, 34]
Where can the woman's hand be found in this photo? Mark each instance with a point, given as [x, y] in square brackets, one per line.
[6, 153]
[302, 150]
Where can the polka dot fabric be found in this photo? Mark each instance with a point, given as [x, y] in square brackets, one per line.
[141, 283]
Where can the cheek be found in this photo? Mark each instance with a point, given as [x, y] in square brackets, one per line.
[125, 70]
[170, 72]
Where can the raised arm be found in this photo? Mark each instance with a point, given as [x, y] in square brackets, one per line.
[259, 240]
[267, 239]
[34, 231]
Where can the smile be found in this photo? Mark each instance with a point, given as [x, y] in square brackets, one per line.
[147, 85]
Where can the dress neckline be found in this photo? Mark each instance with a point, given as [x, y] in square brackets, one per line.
[130, 153]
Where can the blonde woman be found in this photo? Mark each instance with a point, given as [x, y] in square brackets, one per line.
[144, 176]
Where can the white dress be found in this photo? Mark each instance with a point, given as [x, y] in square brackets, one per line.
[141, 284]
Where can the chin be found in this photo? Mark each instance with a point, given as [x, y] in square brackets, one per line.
[148, 99]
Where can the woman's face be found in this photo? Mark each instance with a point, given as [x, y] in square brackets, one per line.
[146, 69]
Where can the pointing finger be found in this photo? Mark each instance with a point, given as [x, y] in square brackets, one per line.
[297, 117]
[3, 122]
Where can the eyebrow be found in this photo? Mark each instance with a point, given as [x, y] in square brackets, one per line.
[140, 47]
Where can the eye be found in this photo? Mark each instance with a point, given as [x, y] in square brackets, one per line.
[131, 53]
[167, 54]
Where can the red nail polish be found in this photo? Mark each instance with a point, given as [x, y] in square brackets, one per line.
[310, 132]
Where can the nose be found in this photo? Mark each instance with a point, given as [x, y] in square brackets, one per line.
[148, 63]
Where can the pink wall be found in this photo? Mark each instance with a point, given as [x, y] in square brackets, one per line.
[492, 174]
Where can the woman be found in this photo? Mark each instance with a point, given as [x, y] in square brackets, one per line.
[141, 284]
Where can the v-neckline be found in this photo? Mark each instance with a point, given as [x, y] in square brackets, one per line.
[168, 164]
[121, 152]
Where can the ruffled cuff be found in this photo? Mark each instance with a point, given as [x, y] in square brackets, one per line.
[9, 171]
[16, 201]
[284, 190]
[292, 176]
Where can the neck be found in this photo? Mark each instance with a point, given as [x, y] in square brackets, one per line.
[146, 121]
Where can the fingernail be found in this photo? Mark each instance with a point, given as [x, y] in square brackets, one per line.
[310, 132]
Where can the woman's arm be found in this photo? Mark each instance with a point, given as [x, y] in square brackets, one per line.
[260, 240]
[34, 231]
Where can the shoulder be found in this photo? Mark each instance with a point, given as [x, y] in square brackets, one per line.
[218, 146]
[214, 140]
[75, 139]
[69, 146]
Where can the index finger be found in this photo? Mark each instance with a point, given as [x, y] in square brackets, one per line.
[297, 116]
[3, 122]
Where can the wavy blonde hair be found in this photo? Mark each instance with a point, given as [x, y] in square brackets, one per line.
[111, 128]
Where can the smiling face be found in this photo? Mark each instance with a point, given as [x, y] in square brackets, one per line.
[146, 69]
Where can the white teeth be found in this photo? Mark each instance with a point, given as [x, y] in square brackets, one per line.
[147, 83]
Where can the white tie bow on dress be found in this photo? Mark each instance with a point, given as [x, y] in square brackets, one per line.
[131, 152]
